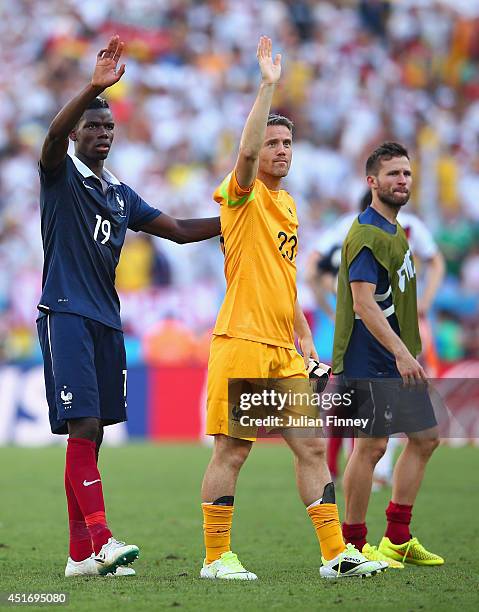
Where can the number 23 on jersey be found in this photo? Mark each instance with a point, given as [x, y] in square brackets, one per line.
[287, 245]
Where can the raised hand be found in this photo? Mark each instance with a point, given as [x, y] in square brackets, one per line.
[270, 71]
[106, 73]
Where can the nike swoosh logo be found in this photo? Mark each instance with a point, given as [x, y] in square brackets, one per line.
[88, 186]
[86, 483]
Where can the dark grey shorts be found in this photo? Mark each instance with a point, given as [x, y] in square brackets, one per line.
[386, 407]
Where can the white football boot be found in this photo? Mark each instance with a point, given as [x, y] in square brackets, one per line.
[114, 554]
[88, 567]
[227, 567]
[349, 563]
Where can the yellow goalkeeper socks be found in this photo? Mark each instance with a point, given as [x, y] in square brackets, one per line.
[328, 529]
[217, 521]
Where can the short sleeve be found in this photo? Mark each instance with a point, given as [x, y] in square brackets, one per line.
[364, 267]
[140, 212]
[53, 176]
[231, 194]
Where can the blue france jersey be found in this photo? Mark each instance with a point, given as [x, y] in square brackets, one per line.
[365, 356]
[83, 230]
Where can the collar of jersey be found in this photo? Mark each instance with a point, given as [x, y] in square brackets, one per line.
[86, 172]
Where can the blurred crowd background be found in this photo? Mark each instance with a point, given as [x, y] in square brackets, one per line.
[355, 72]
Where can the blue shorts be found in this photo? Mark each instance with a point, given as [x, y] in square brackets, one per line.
[388, 407]
[85, 369]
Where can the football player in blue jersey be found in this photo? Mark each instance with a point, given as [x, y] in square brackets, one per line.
[376, 342]
[85, 212]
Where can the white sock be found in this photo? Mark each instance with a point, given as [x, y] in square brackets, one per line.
[316, 503]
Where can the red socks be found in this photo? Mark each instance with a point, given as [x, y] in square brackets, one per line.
[80, 541]
[334, 448]
[355, 534]
[399, 518]
[84, 478]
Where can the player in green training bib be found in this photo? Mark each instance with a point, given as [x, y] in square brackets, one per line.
[376, 343]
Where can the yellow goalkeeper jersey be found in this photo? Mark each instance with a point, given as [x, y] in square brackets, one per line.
[260, 234]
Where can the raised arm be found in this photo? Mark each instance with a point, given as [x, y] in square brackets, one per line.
[183, 230]
[255, 128]
[105, 74]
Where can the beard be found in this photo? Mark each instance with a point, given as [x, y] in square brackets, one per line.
[394, 200]
[280, 170]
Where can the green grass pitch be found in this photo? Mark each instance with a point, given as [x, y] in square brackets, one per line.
[152, 495]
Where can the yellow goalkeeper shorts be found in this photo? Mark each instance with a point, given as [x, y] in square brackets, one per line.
[258, 366]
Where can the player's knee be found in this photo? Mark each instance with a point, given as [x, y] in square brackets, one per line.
[231, 452]
[425, 446]
[312, 450]
[234, 457]
[99, 438]
[86, 428]
[238, 457]
[373, 451]
[378, 452]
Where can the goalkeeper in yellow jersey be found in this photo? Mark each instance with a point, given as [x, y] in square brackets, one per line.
[254, 339]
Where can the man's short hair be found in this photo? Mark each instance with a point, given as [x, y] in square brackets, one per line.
[94, 104]
[98, 103]
[275, 119]
[387, 151]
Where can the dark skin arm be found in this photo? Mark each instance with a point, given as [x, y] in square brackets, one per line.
[105, 74]
[183, 230]
[55, 146]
